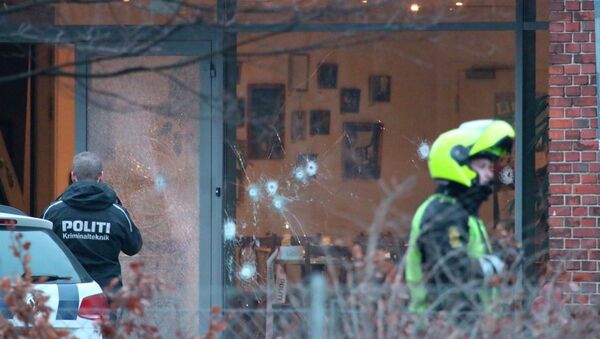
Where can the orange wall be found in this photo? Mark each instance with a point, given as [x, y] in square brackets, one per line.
[64, 124]
[430, 94]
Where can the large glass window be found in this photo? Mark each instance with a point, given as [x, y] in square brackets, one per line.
[333, 135]
[145, 126]
[414, 85]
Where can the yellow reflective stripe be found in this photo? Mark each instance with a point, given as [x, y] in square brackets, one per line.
[484, 234]
[414, 271]
[479, 243]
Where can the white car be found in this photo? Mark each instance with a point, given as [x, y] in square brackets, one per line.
[77, 301]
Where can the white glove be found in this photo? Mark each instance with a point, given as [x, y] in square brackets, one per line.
[490, 265]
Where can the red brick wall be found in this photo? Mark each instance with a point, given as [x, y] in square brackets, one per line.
[574, 170]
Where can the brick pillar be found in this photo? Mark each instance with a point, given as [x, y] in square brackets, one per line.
[573, 164]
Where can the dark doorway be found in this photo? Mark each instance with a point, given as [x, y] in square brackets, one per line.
[14, 104]
[26, 108]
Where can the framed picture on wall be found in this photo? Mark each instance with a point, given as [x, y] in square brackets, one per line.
[380, 88]
[298, 128]
[327, 75]
[319, 122]
[504, 106]
[240, 112]
[298, 72]
[349, 100]
[265, 123]
[361, 157]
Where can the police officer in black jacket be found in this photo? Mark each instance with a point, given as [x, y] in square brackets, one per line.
[91, 221]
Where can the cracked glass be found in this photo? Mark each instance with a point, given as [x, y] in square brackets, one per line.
[333, 135]
[145, 126]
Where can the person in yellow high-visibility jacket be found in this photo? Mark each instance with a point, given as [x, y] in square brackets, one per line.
[449, 254]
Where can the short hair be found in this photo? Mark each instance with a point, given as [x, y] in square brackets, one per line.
[87, 166]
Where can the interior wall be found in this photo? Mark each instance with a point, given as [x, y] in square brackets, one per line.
[430, 93]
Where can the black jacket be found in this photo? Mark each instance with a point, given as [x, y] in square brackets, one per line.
[90, 220]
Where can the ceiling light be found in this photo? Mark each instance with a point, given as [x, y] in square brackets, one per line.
[459, 3]
[365, 1]
[415, 7]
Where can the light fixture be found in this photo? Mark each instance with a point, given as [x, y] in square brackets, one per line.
[415, 7]
[365, 1]
[459, 3]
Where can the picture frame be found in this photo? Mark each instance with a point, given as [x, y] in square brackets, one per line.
[327, 75]
[349, 100]
[380, 87]
[240, 117]
[504, 106]
[265, 121]
[361, 155]
[320, 121]
[298, 72]
[298, 126]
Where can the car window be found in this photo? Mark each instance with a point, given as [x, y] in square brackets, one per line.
[49, 257]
